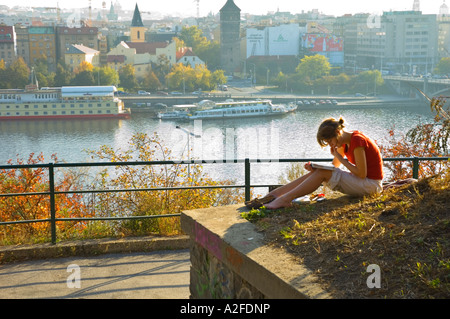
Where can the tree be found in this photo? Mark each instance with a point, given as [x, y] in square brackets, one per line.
[162, 67]
[151, 81]
[18, 74]
[44, 76]
[443, 66]
[35, 207]
[3, 75]
[424, 140]
[218, 78]
[313, 67]
[142, 147]
[127, 77]
[202, 77]
[181, 77]
[105, 76]
[206, 50]
[63, 76]
[83, 78]
[84, 66]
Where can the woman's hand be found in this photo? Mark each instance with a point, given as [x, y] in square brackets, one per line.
[309, 167]
[335, 153]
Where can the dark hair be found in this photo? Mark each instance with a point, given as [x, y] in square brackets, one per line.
[329, 129]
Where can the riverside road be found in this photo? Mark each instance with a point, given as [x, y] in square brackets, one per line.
[138, 275]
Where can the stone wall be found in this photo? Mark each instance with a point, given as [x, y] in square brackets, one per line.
[229, 260]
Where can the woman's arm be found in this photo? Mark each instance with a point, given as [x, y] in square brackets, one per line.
[337, 161]
[360, 168]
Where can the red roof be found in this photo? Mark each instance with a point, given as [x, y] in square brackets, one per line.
[184, 52]
[116, 58]
[146, 47]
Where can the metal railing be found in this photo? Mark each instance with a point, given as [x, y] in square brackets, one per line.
[52, 192]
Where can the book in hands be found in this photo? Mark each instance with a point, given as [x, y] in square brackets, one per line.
[323, 166]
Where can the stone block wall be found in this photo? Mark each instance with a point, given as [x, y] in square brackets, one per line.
[229, 260]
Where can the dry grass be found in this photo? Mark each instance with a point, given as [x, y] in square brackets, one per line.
[405, 231]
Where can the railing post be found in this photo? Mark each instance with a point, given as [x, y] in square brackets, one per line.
[416, 167]
[51, 173]
[247, 179]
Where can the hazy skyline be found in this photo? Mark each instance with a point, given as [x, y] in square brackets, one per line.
[189, 7]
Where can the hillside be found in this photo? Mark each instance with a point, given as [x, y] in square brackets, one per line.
[405, 231]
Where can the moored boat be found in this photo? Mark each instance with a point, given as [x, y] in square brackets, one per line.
[61, 103]
[243, 109]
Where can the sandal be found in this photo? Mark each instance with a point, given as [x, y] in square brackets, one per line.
[259, 202]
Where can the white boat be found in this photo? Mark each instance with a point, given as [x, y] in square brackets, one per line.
[178, 112]
[243, 109]
[173, 115]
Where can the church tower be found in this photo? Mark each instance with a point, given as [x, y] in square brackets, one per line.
[416, 5]
[230, 46]
[137, 30]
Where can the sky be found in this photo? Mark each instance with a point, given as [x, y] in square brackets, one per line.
[189, 7]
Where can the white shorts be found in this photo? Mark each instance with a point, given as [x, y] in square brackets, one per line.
[347, 183]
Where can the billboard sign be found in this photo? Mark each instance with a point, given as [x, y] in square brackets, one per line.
[323, 43]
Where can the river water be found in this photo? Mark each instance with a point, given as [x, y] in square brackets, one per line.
[291, 136]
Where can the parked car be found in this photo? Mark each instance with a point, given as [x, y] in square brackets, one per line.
[162, 93]
[143, 93]
[175, 93]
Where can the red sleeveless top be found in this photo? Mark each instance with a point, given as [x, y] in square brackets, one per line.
[373, 155]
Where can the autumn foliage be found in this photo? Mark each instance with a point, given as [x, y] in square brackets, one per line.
[424, 140]
[154, 202]
[36, 207]
[114, 202]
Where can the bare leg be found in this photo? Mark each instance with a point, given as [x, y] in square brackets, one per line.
[308, 185]
[280, 191]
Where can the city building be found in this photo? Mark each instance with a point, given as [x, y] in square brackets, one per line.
[42, 43]
[77, 53]
[230, 21]
[67, 36]
[272, 41]
[396, 41]
[444, 31]
[137, 30]
[23, 43]
[328, 45]
[187, 57]
[7, 44]
[112, 15]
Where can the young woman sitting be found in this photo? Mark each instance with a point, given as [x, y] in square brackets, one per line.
[352, 149]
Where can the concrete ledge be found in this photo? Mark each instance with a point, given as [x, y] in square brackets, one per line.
[233, 242]
[91, 248]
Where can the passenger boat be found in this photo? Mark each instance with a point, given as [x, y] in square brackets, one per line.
[228, 109]
[173, 115]
[178, 112]
[61, 103]
[243, 109]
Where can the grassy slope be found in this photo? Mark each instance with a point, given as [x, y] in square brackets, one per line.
[405, 231]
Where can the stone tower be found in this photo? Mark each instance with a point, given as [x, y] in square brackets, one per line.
[230, 47]
[137, 30]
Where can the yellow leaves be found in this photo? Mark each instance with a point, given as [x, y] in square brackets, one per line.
[155, 202]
